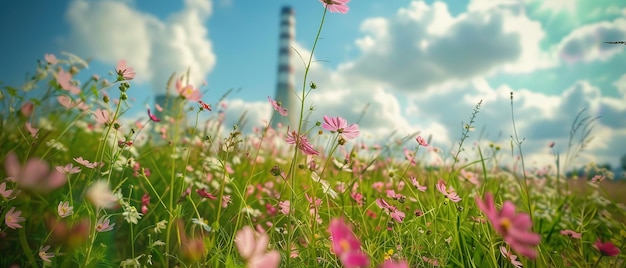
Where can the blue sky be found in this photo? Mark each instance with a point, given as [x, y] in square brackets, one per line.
[419, 65]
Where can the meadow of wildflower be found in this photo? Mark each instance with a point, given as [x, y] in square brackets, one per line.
[82, 186]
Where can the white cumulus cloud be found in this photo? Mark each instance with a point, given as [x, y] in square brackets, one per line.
[111, 30]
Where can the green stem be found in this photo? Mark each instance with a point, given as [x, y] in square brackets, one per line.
[598, 262]
[25, 247]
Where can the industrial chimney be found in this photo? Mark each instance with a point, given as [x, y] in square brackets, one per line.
[285, 93]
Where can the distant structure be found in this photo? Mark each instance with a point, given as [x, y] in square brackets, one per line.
[285, 80]
[167, 101]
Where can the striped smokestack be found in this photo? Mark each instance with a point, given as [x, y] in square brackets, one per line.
[285, 80]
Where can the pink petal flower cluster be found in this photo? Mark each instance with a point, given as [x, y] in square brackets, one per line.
[336, 6]
[124, 72]
[606, 248]
[340, 125]
[514, 227]
[346, 245]
[301, 142]
[277, 107]
[252, 247]
[448, 193]
[34, 175]
[394, 212]
[188, 92]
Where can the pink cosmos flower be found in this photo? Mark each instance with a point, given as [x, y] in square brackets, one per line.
[358, 198]
[44, 255]
[514, 227]
[397, 196]
[27, 108]
[510, 257]
[432, 262]
[469, 176]
[277, 107]
[417, 184]
[64, 209]
[252, 247]
[33, 131]
[284, 207]
[392, 264]
[421, 141]
[226, 200]
[394, 212]
[346, 245]
[597, 178]
[124, 72]
[188, 92]
[66, 101]
[607, 248]
[12, 219]
[204, 106]
[340, 125]
[448, 193]
[314, 205]
[203, 193]
[34, 175]
[64, 80]
[68, 169]
[102, 116]
[301, 142]
[50, 58]
[158, 107]
[3, 190]
[104, 225]
[571, 234]
[409, 155]
[88, 164]
[336, 6]
[153, 117]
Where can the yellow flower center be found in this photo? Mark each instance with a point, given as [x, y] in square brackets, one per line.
[344, 245]
[505, 224]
